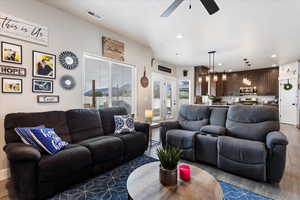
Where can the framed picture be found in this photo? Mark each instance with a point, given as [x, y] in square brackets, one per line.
[42, 86]
[11, 53]
[11, 85]
[47, 99]
[113, 49]
[43, 65]
[12, 71]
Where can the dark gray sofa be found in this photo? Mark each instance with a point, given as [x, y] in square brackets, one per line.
[244, 140]
[93, 149]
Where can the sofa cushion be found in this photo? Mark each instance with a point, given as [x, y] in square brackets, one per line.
[48, 140]
[71, 159]
[212, 129]
[53, 119]
[243, 157]
[104, 148]
[206, 149]
[193, 112]
[252, 122]
[84, 124]
[193, 125]
[193, 117]
[25, 135]
[182, 139]
[218, 116]
[134, 144]
[107, 118]
[124, 124]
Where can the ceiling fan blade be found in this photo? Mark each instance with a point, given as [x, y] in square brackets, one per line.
[211, 6]
[171, 8]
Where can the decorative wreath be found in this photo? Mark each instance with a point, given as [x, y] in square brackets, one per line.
[68, 60]
[67, 82]
[287, 86]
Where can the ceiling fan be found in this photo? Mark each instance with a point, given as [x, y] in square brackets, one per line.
[210, 5]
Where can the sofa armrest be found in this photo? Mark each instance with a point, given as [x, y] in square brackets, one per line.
[277, 145]
[143, 127]
[164, 127]
[276, 138]
[21, 152]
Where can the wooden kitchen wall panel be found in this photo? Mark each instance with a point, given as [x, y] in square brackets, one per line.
[265, 80]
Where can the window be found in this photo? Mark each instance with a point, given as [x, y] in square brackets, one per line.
[114, 84]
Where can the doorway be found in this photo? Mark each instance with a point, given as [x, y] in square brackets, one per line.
[163, 97]
[288, 101]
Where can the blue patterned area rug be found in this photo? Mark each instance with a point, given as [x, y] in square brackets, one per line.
[112, 186]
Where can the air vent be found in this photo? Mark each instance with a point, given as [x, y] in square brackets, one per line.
[95, 15]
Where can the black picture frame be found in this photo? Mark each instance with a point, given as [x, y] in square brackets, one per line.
[12, 62]
[41, 91]
[45, 100]
[16, 79]
[34, 62]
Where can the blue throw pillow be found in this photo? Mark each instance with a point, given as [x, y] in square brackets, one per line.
[25, 135]
[48, 139]
[124, 123]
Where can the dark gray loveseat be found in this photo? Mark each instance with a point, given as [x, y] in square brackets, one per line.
[93, 149]
[243, 140]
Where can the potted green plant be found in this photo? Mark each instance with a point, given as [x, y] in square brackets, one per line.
[169, 158]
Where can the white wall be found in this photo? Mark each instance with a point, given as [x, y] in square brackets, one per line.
[191, 78]
[66, 33]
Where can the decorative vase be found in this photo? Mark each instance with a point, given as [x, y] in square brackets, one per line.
[168, 177]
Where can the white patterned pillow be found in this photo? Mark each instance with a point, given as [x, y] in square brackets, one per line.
[124, 124]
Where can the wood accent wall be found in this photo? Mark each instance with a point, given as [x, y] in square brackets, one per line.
[265, 80]
[201, 88]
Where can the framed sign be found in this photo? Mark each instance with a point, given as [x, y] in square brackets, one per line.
[14, 27]
[47, 99]
[113, 49]
[12, 71]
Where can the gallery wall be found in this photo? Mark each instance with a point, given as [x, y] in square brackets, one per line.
[66, 32]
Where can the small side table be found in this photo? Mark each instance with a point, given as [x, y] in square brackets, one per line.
[153, 125]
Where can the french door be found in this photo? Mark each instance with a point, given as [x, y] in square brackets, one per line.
[114, 83]
[163, 97]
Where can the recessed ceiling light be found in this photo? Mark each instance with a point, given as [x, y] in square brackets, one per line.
[274, 56]
[93, 14]
[179, 36]
[220, 64]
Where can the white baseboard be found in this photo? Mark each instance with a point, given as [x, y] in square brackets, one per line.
[4, 174]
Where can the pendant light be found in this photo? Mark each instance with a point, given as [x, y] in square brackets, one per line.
[207, 78]
[200, 79]
[224, 76]
[212, 68]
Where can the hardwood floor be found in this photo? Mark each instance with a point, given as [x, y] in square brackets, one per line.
[288, 189]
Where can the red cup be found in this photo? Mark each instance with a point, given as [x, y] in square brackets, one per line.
[185, 172]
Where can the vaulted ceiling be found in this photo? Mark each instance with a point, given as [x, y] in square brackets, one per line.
[253, 29]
